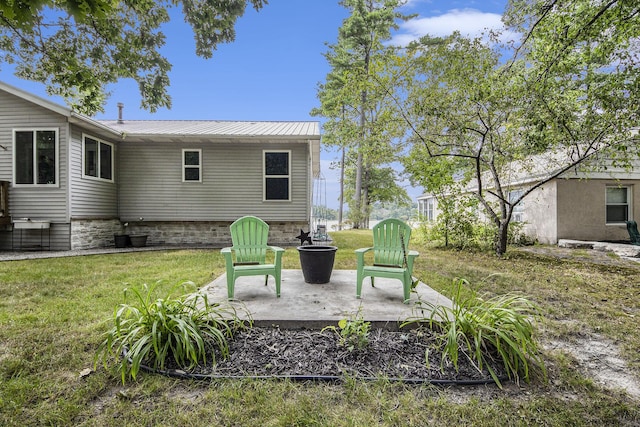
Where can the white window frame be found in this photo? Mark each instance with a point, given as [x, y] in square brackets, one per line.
[629, 204]
[98, 162]
[198, 166]
[427, 208]
[265, 176]
[35, 184]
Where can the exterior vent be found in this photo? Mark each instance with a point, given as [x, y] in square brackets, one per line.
[120, 108]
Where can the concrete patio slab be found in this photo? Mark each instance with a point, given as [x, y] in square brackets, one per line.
[304, 305]
[620, 249]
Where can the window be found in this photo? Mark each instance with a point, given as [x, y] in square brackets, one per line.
[518, 210]
[427, 208]
[97, 159]
[618, 202]
[192, 165]
[35, 157]
[277, 173]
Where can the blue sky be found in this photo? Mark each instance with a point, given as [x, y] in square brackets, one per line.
[272, 70]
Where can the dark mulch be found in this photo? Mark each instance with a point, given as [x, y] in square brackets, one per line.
[273, 352]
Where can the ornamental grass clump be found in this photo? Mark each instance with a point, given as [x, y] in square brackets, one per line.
[155, 331]
[485, 329]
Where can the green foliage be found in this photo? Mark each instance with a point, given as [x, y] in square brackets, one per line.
[78, 47]
[353, 332]
[482, 329]
[464, 231]
[154, 330]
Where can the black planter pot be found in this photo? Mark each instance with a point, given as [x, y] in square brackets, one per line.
[317, 262]
[121, 240]
[138, 241]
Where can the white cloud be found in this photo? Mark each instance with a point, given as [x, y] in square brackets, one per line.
[470, 22]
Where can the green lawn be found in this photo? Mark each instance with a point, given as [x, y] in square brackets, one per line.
[53, 312]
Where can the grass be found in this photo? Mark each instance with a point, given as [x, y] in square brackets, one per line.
[53, 313]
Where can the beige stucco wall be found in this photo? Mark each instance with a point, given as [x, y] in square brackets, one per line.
[541, 214]
[582, 208]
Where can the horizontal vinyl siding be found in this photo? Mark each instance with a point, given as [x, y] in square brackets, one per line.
[90, 198]
[150, 183]
[36, 203]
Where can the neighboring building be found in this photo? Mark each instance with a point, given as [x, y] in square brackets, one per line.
[186, 180]
[577, 205]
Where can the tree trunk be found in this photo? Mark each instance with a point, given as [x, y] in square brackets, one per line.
[340, 210]
[358, 196]
[501, 238]
[359, 166]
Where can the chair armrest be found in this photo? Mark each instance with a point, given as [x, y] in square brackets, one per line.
[278, 252]
[411, 256]
[228, 258]
[360, 255]
[363, 250]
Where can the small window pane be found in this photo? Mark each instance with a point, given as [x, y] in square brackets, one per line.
[90, 157]
[192, 174]
[617, 213]
[106, 156]
[276, 163]
[277, 188]
[192, 158]
[24, 158]
[46, 148]
[616, 195]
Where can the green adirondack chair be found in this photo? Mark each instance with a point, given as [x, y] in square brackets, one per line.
[249, 237]
[391, 256]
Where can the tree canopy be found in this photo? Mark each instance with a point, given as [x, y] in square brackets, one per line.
[77, 47]
[487, 114]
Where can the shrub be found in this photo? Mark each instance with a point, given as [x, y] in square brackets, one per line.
[353, 332]
[154, 330]
[499, 326]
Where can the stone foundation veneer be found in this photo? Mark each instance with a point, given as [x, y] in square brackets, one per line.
[96, 233]
[93, 233]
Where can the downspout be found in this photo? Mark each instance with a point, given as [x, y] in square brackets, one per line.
[68, 181]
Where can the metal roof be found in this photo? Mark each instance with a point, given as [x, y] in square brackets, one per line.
[214, 128]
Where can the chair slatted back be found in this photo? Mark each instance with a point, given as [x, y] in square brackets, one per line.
[249, 235]
[390, 242]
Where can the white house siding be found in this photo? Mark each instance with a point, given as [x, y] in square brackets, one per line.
[582, 208]
[35, 203]
[150, 182]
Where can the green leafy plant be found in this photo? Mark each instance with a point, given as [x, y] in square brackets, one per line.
[483, 329]
[353, 332]
[153, 330]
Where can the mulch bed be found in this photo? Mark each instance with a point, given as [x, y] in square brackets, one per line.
[313, 354]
